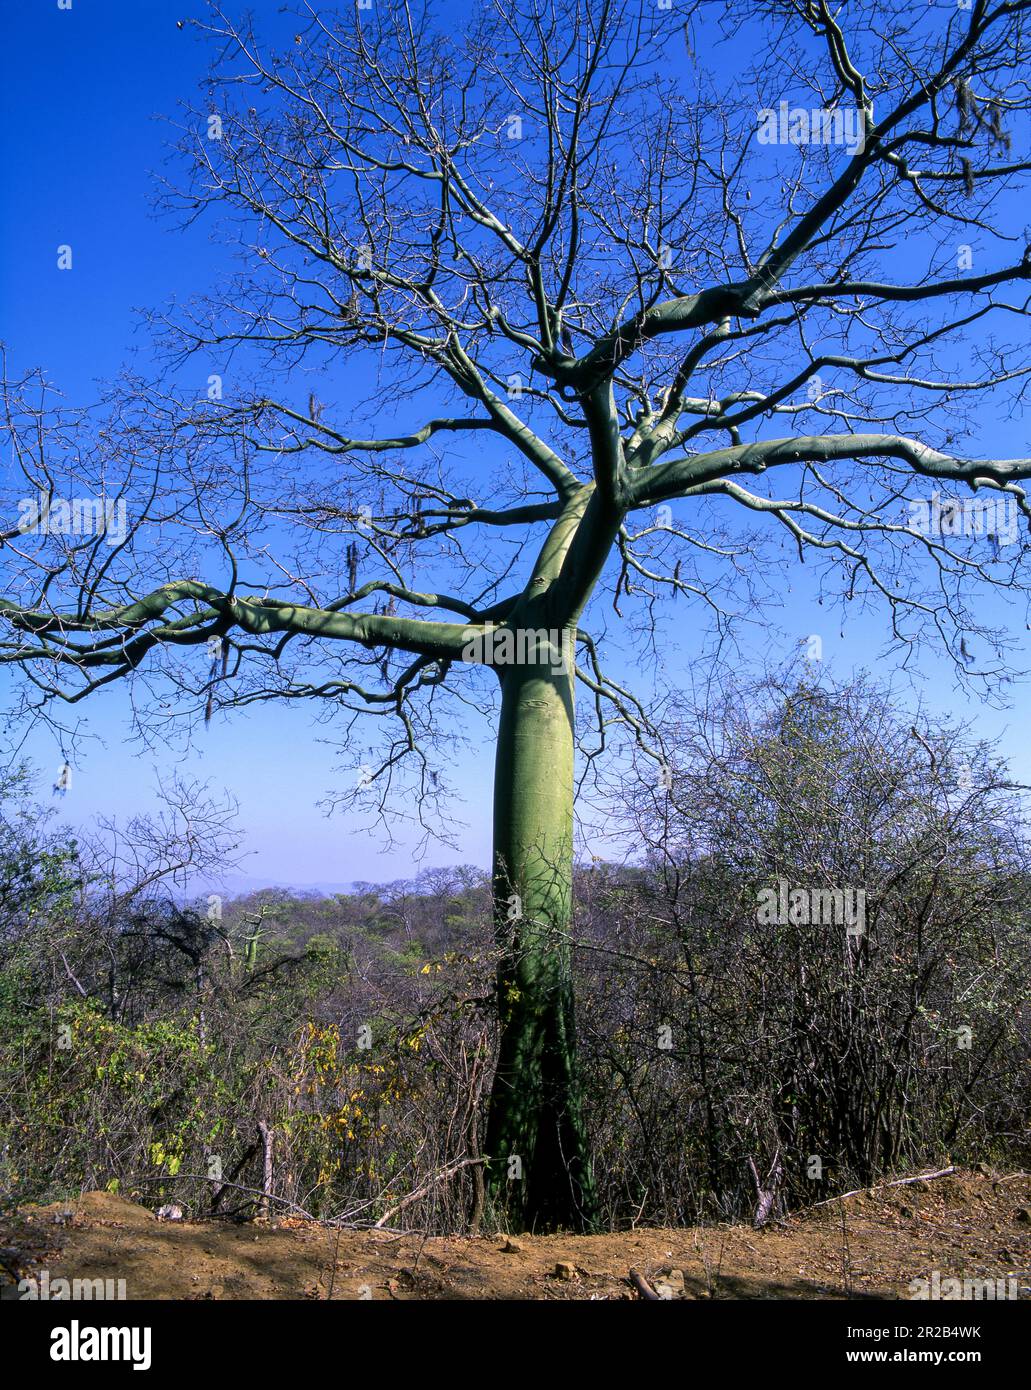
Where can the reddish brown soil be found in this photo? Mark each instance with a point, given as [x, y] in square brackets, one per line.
[867, 1246]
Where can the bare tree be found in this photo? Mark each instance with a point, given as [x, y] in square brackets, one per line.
[555, 232]
[861, 1039]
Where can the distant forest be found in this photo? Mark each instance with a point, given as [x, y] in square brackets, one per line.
[333, 1055]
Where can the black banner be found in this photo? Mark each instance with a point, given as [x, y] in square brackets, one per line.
[165, 1338]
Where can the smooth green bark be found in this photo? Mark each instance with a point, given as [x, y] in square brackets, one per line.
[535, 1105]
[539, 1174]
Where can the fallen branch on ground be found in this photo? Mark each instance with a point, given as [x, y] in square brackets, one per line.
[426, 1188]
[224, 1182]
[895, 1182]
[642, 1286]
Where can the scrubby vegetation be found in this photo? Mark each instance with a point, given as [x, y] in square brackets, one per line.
[332, 1054]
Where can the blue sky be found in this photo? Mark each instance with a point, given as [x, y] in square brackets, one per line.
[79, 90]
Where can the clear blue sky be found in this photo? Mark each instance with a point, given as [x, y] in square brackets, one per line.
[78, 93]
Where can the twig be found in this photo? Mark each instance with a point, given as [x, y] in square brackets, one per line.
[767, 1195]
[333, 1269]
[896, 1182]
[255, 1191]
[71, 975]
[642, 1286]
[427, 1187]
[267, 1142]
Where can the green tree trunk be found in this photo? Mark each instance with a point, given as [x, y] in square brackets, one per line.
[539, 1174]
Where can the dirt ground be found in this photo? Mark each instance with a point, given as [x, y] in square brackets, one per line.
[968, 1224]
